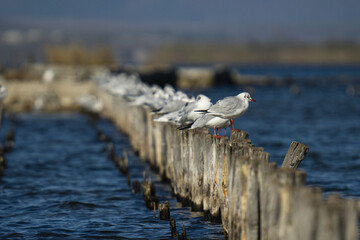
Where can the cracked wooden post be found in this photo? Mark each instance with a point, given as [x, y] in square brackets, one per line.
[209, 166]
[196, 167]
[176, 167]
[296, 153]
[170, 151]
[186, 155]
[216, 189]
[150, 141]
[252, 221]
[221, 176]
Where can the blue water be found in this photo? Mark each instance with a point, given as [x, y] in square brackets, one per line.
[59, 184]
[302, 73]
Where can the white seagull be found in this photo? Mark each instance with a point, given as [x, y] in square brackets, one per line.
[210, 121]
[191, 111]
[231, 107]
[3, 92]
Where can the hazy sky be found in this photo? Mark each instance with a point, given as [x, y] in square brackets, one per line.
[294, 19]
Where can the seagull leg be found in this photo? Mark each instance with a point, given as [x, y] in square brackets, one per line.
[216, 135]
[224, 132]
[233, 127]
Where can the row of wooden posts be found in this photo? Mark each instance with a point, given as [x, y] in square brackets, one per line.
[233, 182]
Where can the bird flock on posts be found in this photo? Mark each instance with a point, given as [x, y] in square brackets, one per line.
[177, 107]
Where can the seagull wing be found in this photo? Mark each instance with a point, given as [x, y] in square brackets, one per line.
[226, 106]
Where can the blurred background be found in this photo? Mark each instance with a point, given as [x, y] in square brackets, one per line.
[179, 32]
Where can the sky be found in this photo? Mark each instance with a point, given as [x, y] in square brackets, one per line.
[309, 20]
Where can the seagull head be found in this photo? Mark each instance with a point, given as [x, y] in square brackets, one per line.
[203, 102]
[245, 96]
[202, 97]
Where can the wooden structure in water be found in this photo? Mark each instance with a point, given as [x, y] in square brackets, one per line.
[232, 180]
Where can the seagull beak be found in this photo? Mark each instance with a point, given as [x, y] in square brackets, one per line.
[252, 100]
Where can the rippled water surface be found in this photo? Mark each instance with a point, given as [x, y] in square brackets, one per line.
[60, 184]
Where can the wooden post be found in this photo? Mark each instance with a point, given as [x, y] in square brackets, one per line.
[252, 221]
[173, 227]
[209, 149]
[230, 202]
[216, 189]
[164, 211]
[136, 186]
[295, 155]
[196, 167]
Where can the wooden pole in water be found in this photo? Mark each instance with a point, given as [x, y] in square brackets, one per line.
[173, 227]
[296, 153]
[164, 211]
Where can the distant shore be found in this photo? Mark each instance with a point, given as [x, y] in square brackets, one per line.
[257, 53]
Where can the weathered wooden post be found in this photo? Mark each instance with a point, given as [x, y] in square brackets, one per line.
[252, 221]
[170, 151]
[196, 168]
[295, 155]
[228, 186]
[150, 141]
[305, 209]
[221, 177]
[215, 189]
[173, 227]
[176, 178]
[209, 166]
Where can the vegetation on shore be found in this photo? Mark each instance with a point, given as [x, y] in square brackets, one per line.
[257, 53]
[76, 54]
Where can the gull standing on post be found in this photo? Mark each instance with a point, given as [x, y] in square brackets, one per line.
[191, 111]
[210, 121]
[231, 107]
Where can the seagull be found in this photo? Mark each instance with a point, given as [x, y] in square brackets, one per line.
[191, 112]
[210, 121]
[187, 114]
[3, 92]
[172, 117]
[231, 107]
[90, 103]
[176, 103]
